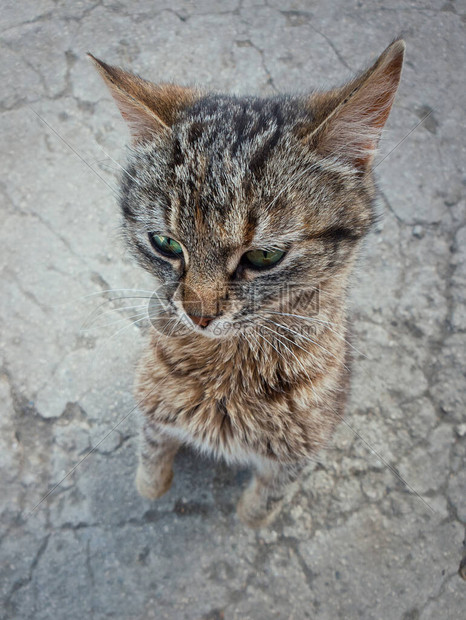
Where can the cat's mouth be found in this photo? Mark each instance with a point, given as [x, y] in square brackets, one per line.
[169, 316]
[170, 319]
[220, 327]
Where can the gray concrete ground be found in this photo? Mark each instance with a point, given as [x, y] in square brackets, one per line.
[355, 541]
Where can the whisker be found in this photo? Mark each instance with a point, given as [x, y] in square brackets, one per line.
[177, 322]
[298, 316]
[126, 318]
[114, 310]
[251, 333]
[279, 336]
[115, 290]
[268, 341]
[293, 354]
[293, 331]
[112, 189]
[119, 165]
[106, 165]
[280, 354]
[295, 343]
[110, 300]
[110, 290]
[341, 337]
[144, 318]
[326, 323]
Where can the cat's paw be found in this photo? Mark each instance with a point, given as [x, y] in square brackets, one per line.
[254, 513]
[154, 487]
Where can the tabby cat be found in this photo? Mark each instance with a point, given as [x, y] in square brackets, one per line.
[238, 205]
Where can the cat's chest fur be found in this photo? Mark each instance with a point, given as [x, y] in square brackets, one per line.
[237, 402]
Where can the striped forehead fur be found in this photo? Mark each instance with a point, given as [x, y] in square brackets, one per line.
[247, 171]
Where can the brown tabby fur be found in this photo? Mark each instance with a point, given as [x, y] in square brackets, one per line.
[224, 175]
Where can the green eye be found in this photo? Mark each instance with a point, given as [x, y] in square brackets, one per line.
[166, 245]
[263, 258]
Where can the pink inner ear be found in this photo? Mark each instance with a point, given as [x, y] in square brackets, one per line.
[142, 123]
[352, 129]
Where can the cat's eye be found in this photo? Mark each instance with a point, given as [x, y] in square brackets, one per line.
[166, 245]
[260, 259]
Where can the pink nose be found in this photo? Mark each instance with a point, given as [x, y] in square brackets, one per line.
[202, 321]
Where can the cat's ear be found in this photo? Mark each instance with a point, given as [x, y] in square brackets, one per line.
[148, 109]
[350, 119]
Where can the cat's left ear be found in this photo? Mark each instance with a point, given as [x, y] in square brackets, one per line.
[349, 120]
[149, 109]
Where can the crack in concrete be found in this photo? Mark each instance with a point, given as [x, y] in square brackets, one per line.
[24, 581]
[333, 47]
[270, 81]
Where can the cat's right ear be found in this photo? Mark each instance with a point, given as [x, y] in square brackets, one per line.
[350, 119]
[149, 109]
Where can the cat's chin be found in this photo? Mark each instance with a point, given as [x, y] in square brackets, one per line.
[217, 330]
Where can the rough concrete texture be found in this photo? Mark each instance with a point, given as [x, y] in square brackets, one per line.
[355, 541]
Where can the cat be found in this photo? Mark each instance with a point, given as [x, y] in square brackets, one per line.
[237, 205]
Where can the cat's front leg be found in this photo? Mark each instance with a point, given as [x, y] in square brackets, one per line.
[155, 470]
[262, 500]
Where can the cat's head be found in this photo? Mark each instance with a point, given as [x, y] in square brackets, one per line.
[236, 203]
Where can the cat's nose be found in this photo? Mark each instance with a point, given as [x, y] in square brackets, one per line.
[202, 321]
